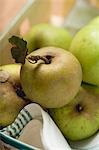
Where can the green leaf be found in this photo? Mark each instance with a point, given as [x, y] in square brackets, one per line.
[19, 49]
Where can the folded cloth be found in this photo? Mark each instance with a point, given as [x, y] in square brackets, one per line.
[91, 143]
[51, 136]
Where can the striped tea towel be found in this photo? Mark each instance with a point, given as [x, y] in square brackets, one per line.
[51, 136]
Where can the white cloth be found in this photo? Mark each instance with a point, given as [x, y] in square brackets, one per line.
[51, 136]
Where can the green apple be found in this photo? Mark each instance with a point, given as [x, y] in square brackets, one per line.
[42, 35]
[85, 46]
[12, 98]
[95, 21]
[51, 76]
[80, 118]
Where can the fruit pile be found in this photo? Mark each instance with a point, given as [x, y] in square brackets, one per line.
[57, 71]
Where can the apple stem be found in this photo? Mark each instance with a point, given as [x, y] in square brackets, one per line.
[34, 59]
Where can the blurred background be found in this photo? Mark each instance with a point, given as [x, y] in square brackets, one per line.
[8, 10]
[70, 13]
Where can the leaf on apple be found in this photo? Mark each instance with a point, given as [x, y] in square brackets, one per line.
[19, 49]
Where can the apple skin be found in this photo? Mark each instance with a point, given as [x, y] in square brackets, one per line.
[85, 46]
[42, 35]
[55, 84]
[10, 102]
[95, 21]
[79, 119]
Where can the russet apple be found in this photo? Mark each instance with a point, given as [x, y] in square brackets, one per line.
[12, 97]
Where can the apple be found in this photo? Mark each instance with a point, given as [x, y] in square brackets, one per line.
[85, 46]
[42, 35]
[80, 118]
[51, 76]
[12, 97]
[95, 21]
